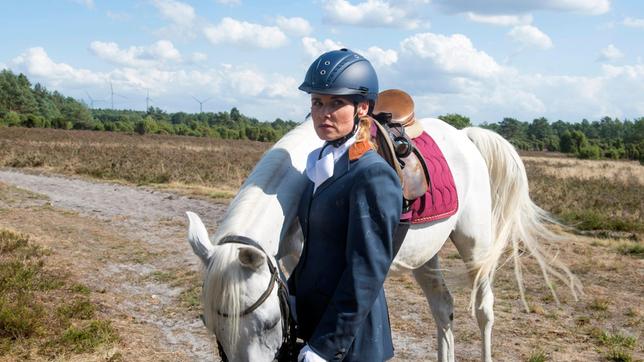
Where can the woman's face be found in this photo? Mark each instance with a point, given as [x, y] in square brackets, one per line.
[333, 115]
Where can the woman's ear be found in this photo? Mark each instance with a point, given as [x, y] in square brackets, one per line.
[363, 109]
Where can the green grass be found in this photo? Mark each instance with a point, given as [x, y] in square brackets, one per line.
[41, 311]
[191, 298]
[80, 308]
[538, 356]
[634, 249]
[616, 347]
[88, 337]
[599, 305]
[598, 220]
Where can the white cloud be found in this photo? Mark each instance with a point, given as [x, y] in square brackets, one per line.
[380, 57]
[610, 53]
[531, 36]
[142, 56]
[634, 23]
[502, 20]
[176, 11]
[454, 55]
[232, 31]
[228, 85]
[374, 13]
[183, 19]
[631, 72]
[198, 57]
[314, 48]
[295, 26]
[496, 7]
[35, 62]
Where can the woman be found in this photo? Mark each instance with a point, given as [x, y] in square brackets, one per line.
[348, 215]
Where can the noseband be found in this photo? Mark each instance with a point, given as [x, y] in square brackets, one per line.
[287, 351]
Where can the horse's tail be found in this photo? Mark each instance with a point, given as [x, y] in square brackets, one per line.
[515, 218]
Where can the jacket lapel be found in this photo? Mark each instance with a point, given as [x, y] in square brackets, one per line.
[339, 169]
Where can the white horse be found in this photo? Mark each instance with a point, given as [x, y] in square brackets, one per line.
[495, 211]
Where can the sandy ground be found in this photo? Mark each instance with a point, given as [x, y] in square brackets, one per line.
[117, 238]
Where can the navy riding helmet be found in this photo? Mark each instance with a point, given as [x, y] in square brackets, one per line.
[343, 72]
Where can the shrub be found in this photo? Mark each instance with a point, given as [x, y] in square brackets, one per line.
[591, 152]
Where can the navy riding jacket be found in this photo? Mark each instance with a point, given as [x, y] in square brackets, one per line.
[348, 226]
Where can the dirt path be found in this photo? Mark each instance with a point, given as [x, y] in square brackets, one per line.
[128, 244]
[152, 225]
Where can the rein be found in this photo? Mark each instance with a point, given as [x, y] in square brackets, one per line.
[287, 351]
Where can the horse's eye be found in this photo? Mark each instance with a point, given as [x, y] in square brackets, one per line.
[270, 324]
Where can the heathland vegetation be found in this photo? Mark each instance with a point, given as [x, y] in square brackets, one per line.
[46, 315]
[43, 313]
[22, 104]
[596, 196]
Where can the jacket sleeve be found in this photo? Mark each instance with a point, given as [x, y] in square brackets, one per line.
[375, 206]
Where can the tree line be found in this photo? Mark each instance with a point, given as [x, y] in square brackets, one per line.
[22, 104]
[605, 138]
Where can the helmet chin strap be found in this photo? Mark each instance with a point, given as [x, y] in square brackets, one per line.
[356, 121]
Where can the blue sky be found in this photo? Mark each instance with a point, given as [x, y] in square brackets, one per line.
[486, 59]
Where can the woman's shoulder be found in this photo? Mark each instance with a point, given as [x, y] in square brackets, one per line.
[372, 164]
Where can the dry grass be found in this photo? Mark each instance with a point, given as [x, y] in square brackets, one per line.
[42, 313]
[80, 250]
[604, 197]
[219, 166]
[627, 172]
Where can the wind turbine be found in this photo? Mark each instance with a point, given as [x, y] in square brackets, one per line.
[112, 94]
[92, 100]
[201, 103]
[147, 101]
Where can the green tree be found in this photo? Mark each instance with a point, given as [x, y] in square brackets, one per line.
[456, 120]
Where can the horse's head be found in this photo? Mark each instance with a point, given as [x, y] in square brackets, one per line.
[243, 297]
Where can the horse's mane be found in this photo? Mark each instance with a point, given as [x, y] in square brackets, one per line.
[278, 170]
[221, 289]
[254, 205]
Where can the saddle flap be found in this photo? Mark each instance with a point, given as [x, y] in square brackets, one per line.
[386, 148]
[415, 176]
[411, 169]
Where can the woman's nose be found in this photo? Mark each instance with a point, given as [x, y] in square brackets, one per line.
[327, 111]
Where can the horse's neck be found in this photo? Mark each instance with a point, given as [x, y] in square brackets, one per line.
[266, 204]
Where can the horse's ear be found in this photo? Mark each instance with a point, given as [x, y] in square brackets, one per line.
[198, 238]
[250, 257]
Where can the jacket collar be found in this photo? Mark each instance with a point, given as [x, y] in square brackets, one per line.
[340, 169]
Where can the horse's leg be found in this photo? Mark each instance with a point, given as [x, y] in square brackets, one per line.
[470, 248]
[441, 303]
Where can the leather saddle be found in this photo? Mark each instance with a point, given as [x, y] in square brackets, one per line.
[396, 126]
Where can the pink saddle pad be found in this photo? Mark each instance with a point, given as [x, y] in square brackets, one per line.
[441, 200]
